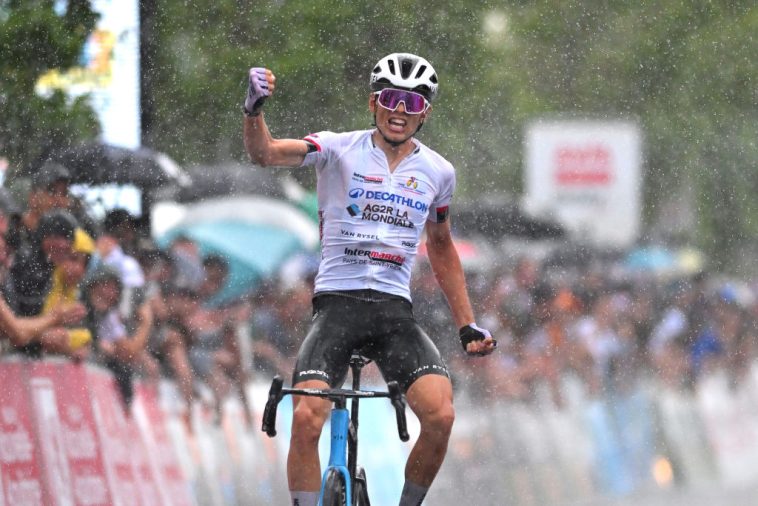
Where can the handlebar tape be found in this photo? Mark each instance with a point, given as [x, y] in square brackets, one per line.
[269, 413]
[396, 397]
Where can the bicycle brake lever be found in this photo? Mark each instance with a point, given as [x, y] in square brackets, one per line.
[269, 412]
[396, 397]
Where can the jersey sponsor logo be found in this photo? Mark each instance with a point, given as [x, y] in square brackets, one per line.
[367, 179]
[358, 235]
[313, 372]
[411, 185]
[353, 210]
[376, 256]
[409, 244]
[429, 369]
[385, 196]
[381, 213]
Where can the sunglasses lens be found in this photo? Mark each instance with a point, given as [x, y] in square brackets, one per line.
[413, 103]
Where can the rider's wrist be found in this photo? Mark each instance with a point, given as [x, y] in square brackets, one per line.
[253, 113]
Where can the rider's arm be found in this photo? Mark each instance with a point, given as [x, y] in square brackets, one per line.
[266, 151]
[260, 145]
[448, 271]
[447, 268]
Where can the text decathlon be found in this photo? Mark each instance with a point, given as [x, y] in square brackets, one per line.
[388, 197]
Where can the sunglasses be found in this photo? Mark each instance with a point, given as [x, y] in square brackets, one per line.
[413, 103]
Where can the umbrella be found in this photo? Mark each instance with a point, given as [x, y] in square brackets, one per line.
[255, 234]
[251, 209]
[498, 218]
[229, 179]
[652, 259]
[97, 163]
[254, 251]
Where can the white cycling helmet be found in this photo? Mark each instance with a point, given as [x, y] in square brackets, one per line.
[406, 71]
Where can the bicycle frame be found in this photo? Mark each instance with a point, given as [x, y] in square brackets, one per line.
[340, 434]
[344, 424]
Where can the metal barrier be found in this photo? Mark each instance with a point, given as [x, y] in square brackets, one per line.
[65, 439]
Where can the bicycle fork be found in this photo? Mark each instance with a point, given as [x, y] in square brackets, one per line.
[340, 433]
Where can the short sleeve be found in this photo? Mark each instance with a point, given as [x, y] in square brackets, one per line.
[440, 207]
[323, 142]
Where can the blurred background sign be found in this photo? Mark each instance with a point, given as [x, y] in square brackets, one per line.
[108, 70]
[586, 175]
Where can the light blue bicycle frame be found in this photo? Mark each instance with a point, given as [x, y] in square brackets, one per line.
[340, 426]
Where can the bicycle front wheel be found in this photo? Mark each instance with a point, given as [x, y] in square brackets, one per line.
[360, 491]
[335, 489]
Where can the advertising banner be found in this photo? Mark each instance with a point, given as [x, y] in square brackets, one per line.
[109, 71]
[20, 467]
[152, 427]
[115, 439]
[587, 175]
[83, 448]
[57, 474]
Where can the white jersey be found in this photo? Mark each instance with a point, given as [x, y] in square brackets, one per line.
[372, 220]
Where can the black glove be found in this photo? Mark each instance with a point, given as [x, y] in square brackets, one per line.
[471, 333]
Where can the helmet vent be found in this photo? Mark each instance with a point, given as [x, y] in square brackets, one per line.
[406, 66]
[377, 69]
[433, 78]
[391, 65]
[421, 70]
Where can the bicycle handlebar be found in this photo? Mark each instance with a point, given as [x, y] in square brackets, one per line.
[277, 392]
[396, 397]
[269, 412]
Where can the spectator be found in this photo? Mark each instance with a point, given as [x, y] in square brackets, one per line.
[668, 340]
[215, 274]
[214, 348]
[112, 254]
[49, 191]
[30, 277]
[185, 254]
[278, 324]
[119, 350]
[169, 340]
[68, 276]
[123, 227]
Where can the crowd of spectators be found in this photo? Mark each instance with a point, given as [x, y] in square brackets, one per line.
[609, 327]
[101, 291]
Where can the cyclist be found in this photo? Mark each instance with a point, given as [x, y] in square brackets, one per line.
[378, 191]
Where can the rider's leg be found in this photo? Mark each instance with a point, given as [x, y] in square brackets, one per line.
[303, 465]
[431, 399]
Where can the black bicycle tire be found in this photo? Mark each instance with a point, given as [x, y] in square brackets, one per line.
[360, 492]
[335, 489]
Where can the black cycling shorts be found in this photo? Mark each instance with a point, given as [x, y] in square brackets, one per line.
[377, 325]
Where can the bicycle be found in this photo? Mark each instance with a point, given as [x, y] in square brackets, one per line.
[343, 483]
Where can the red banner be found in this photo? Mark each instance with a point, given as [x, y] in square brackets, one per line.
[20, 467]
[152, 423]
[116, 441]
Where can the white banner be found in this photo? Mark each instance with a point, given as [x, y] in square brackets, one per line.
[109, 71]
[586, 175]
